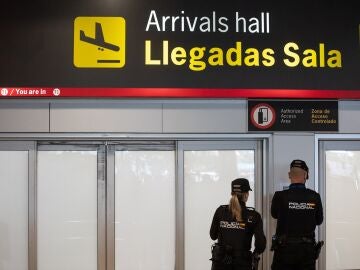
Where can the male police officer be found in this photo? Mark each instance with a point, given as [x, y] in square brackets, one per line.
[298, 210]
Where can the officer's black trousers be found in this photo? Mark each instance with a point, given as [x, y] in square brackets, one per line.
[219, 266]
[294, 257]
[239, 263]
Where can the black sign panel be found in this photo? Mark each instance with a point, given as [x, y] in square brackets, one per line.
[292, 115]
[180, 44]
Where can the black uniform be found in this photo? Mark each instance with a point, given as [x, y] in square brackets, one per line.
[298, 211]
[238, 236]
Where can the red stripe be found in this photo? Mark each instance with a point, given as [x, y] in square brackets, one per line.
[178, 93]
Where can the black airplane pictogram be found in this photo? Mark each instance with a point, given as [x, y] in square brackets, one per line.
[99, 39]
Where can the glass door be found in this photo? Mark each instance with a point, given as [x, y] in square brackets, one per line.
[340, 186]
[144, 205]
[16, 205]
[207, 169]
[67, 207]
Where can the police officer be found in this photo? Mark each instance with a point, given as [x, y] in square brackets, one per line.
[298, 211]
[234, 225]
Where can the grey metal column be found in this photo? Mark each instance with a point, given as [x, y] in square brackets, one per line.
[322, 187]
[179, 211]
[32, 244]
[264, 175]
[101, 207]
[110, 208]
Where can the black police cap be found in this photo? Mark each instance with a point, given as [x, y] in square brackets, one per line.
[300, 164]
[240, 185]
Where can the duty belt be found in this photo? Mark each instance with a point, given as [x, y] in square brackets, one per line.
[242, 253]
[298, 240]
[283, 240]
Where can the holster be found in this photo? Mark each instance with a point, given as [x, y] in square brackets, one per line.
[275, 243]
[221, 254]
[318, 247]
[255, 261]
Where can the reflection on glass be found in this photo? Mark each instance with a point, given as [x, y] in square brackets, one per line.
[207, 176]
[67, 210]
[144, 210]
[342, 220]
[13, 210]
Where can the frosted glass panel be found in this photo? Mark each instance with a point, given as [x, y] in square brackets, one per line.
[144, 210]
[207, 176]
[13, 210]
[67, 210]
[342, 214]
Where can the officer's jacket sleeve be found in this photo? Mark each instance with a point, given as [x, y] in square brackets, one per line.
[275, 205]
[260, 239]
[319, 212]
[214, 229]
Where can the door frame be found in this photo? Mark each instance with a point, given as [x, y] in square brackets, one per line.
[325, 142]
[259, 146]
[109, 142]
[30, 146]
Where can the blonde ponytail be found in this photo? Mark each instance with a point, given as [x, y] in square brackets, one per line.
[235, 208]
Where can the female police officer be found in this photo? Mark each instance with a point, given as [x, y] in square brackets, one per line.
[234, 225]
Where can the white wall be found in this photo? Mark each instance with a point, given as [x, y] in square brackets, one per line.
[288, 147]
[349, 116]
[144, 116]
[126, 116]
[205, 116]
[106, 116]
[24, 116]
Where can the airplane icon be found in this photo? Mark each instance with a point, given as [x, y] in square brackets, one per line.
[99, 39]
[99, 42]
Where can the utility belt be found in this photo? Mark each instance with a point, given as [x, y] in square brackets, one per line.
[283, 241]
[225, 254]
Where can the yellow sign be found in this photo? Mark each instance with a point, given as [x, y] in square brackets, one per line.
[99, 42]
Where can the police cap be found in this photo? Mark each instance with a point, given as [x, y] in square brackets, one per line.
[240, 185]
